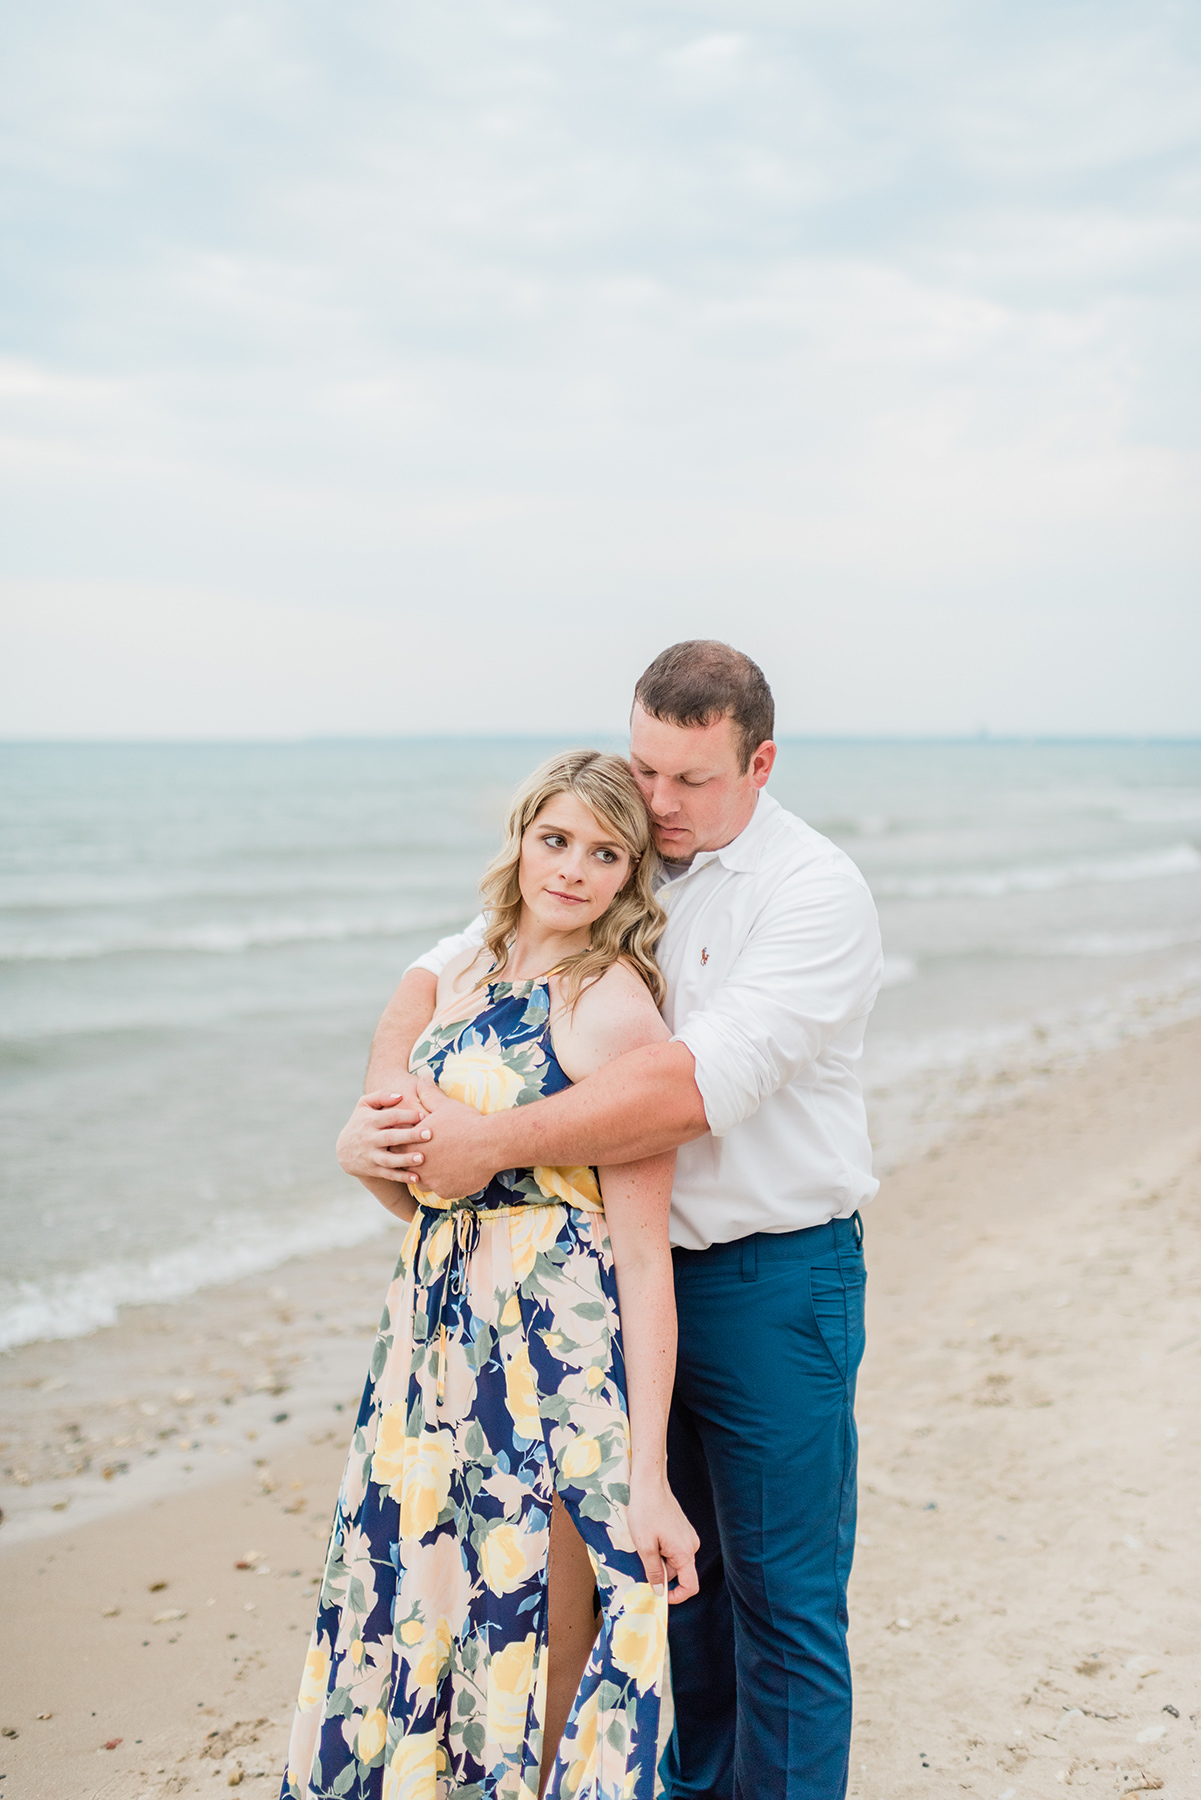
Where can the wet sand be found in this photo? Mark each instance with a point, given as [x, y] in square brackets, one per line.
[1025, 1595]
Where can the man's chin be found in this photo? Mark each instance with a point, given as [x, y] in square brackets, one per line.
[674, 848]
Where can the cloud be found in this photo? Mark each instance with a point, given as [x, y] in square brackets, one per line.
[846, 330]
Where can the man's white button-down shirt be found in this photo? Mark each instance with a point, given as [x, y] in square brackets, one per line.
[772, 960]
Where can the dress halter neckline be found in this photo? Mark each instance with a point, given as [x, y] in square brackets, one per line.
[527, 981]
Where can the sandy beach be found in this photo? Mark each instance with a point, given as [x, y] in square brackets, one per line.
[1025, 1595]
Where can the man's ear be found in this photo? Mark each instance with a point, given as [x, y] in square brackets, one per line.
[762, 762]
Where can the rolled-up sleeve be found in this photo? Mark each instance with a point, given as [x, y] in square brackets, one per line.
[447, 948]
[810, 965]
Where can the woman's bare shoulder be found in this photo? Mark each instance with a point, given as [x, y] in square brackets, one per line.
[614, 1014]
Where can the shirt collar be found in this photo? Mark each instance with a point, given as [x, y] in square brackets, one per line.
[745, 851]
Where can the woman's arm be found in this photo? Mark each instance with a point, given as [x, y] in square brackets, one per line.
[393, 1196]
[637, 1200]
[615, 1015]
[390, 1118]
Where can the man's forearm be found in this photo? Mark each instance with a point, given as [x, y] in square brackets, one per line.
[639, 1105]
[401, 1023]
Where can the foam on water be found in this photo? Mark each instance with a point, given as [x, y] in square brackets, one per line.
[72, 1305]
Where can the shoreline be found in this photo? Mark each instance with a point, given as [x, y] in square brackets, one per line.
[1024, 1595]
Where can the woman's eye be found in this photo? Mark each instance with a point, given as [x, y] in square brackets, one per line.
[607, 856]
[553, 841]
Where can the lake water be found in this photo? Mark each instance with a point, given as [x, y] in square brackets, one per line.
[195, 942]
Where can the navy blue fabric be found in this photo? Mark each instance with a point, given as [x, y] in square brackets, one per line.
[762, 1453]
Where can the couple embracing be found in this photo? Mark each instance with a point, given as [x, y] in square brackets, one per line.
[596, 1525]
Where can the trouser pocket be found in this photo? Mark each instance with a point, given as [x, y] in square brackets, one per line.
[836, 1298]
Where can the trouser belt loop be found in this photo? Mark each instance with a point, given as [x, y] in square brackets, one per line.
[750, 1259]
[848, 1245]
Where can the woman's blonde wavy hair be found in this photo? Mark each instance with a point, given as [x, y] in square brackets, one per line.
[632, 924]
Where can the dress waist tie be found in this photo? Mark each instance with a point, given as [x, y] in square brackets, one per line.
[463, 1244]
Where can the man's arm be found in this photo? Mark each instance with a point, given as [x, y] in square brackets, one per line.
[638, 1105]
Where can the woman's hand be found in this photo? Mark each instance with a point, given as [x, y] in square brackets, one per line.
[374, 1144]
[663, 1538]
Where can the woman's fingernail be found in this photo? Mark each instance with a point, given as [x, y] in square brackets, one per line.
[427, 1134]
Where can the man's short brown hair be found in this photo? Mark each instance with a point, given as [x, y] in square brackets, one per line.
[703, 680]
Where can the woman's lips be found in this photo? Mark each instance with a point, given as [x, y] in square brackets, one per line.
[572, 899]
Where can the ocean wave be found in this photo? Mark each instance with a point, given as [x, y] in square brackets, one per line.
[74, 1305]
[225, 939]
[1037, 878]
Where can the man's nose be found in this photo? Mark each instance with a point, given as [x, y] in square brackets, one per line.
[662, 801]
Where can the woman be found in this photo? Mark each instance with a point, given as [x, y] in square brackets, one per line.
[502, 1382]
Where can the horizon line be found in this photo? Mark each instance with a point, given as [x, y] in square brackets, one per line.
[973, 738]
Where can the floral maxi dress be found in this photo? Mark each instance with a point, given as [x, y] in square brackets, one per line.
[496, 1379]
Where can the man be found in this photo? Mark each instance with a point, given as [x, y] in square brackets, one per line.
[772, 960]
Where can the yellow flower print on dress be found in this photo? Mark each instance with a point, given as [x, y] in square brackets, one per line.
[580, 1458]
[388, 1458]
[480, 1078]
[640, 1635]
[431, 1660]
[522, 1395]
[502, 1559]
[372, 1735]
[428, 1468]
[535, 1228]
[579, 1744]
[411, 1772]
[439, 1243]
[316, 1674]
[509, 1556]
[575, 1186]
[510, 1678]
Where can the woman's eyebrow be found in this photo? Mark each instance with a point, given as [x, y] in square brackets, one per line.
[593, 843]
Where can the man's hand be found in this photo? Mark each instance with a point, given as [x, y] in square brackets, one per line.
[459, 1160]
[373, 1143]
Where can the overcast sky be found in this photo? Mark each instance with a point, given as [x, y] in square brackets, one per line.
[402, 367]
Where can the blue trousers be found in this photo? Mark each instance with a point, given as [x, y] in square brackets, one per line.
[762, 1454]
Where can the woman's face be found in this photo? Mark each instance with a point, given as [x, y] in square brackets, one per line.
[572, 865]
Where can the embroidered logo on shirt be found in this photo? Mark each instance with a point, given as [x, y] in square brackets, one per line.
[704, 956]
